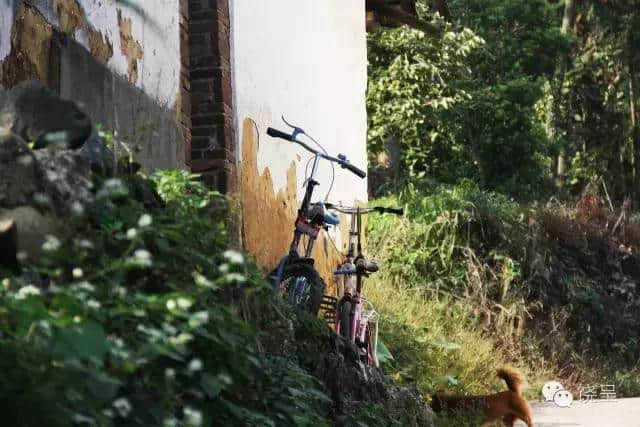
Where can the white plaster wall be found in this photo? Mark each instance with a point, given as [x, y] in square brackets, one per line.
[155, 25]
[6, 19]
[305, 59]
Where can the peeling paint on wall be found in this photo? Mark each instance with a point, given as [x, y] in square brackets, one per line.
[70, 14]
[96, 25]
[100, 46]
[30, 41]
[268, 217]
[129, 47]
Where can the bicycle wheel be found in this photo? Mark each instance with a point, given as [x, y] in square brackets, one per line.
[302, 286]
[345, 319]
[371, 357]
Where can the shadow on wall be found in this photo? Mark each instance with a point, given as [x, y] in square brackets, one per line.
[38, 50]
[151, 131]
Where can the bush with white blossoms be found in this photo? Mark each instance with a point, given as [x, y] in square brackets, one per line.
[127, 321]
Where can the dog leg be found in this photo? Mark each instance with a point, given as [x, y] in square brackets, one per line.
[509, 420]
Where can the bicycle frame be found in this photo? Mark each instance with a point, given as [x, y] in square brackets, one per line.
[303, 226]
[359, 319]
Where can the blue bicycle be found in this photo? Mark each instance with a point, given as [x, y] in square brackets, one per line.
[295, 278]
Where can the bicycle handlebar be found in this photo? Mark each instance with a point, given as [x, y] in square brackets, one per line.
[379, 209]
[395, 211]
[279, 134]
[354, 169]
[341, 160]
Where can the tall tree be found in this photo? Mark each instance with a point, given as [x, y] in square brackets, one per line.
[556, 111]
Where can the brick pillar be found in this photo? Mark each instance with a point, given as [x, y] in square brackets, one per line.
[185, 80]
[212, 142]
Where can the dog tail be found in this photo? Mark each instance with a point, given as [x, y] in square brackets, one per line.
[512, 378]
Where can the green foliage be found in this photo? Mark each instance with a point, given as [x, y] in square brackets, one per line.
[141, 324]
[412, 83]
[472, 279]
[446, 264]
[463, 107]
[596, 124]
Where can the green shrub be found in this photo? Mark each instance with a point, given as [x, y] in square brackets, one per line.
[141, 323]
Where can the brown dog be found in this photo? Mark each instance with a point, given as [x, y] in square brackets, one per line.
[506, 405]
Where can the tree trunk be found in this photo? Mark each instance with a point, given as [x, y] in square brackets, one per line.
[635, 131]
[561, 163]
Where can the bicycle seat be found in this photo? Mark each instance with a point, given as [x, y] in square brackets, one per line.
[331, 218]
[368, 266]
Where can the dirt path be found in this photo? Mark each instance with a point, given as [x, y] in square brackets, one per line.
[598, 413]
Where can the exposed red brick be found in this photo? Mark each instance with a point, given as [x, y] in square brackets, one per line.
[212, 145]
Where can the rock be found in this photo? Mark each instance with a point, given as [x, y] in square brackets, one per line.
[36, 114]
[19, 175]
[66, 180]
[99, 157]
[8, 244]
[32, 228]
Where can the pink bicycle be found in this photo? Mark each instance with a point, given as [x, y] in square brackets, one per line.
[355, 317]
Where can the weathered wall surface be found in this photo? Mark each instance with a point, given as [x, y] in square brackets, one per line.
[137, 43]
[306, 60]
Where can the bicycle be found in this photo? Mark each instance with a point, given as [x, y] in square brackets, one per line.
[295, 278]
[354, 314]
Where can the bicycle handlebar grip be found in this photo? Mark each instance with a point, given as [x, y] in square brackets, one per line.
[396, 211]
[279, 134]
[355, 170]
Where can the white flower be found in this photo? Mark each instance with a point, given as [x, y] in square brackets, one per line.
[234, 257]
[51, 244]
[236, 277]
[77, 319]
[26, 291]
[144, 221]
[198, 319]
[84, 244]
[85, 286]
[181, 339]
[224, 268]
[195, 365]
[77, 273]
[117, 341]
[77, 208]
[112, 188]
[170, 422]
[93, 304]
[169, 373]
[123, 406]
[132, 233]
[193, 417]
[142, 258]
[184, 303]
[5, 283]
[21, 256]
[170, 329]
[171, 305]
[203, 281]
